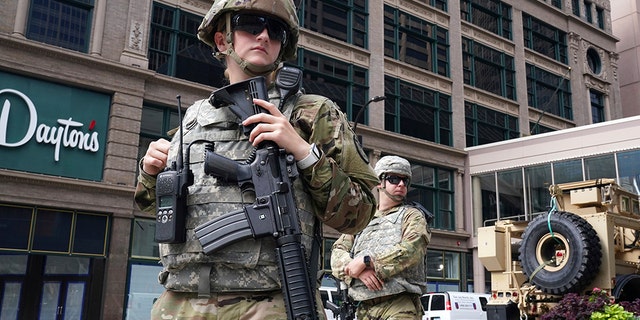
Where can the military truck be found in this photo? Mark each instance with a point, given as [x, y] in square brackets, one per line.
[590, 238]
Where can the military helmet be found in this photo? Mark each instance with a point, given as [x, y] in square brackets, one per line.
[282, 9]
[393, 164]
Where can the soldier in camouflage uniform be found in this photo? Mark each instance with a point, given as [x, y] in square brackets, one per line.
[385, 264]
[334, 186]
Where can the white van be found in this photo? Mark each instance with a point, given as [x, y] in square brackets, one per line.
[452, 305]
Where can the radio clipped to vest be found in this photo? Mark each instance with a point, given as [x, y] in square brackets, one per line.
[171, 196]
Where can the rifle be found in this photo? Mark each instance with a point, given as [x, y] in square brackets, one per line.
[346, 310]
[270, 173]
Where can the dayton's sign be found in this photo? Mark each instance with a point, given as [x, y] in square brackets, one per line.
[52, 129]
[66, 134]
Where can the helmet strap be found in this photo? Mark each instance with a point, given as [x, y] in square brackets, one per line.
[247, 67]
[395, 198]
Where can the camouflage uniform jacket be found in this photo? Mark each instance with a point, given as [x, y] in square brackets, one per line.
[337, 190]
[397, 241]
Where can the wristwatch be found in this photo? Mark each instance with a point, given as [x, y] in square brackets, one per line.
[367, 261]
[311, 159]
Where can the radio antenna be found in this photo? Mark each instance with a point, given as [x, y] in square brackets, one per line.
[180, 160]
[544, 108]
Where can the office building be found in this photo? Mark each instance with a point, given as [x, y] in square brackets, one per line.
[86, 85]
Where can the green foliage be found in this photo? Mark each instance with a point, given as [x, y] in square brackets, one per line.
[614, 311]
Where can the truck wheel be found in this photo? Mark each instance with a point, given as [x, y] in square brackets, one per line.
[572, 253]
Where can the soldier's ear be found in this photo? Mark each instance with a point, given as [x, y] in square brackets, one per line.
[220, 40]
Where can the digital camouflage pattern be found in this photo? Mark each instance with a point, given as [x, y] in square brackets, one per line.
[397, 240]
[337, 190]
[393, 164]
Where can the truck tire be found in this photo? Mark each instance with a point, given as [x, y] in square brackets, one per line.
[572, 252]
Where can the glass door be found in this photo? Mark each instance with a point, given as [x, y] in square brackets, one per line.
[61, 300]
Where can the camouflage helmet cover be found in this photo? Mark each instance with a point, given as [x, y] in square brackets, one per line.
[283, 9]
[393, 164]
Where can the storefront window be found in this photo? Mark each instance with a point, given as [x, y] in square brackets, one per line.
[600, 167]
[144, 290]
[629, 171]
[511, 194]
[537, 182]
[567, 171]
[142, 241]
[443, 265]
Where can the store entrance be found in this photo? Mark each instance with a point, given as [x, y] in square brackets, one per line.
[50, 287]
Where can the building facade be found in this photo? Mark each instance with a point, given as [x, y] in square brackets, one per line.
[85, 85]
[625, 20]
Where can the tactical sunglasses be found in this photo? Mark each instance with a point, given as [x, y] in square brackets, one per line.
[254, 24]
[397, 179]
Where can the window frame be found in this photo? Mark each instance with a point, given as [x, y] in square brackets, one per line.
[538, 78]
[502, 63]
[399, 103]
[470, 11]
[352, 10]
[509, 127]
[559, 51]
[418, 32]
[68, 9]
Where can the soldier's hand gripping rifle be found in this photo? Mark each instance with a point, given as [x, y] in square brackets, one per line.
[346, 309]
[270, 173]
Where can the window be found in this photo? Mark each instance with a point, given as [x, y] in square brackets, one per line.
[588, 6]
[597, 106]
[491, 15]
[440, 4]
[557, 3]
[549, 92]
[418, 112]
[48, 230]
[628, 170]
[327, 244]
[487, 197]
[142, 285]
[538, 179]
[593, 61]
[484, 125]
[415, 41]
[343, 20]
[544, 39]
[175, 50]
[537, 128]
[567, 171]
[600, 167]
[65, 23]
[511, 194]
[433, 188]
[341, 82]
[600, 17]
[444, 265]
[488, 69]
[575, 7]
[156, 122]
[143, 290]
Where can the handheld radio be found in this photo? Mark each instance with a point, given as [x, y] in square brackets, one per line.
[171, 196]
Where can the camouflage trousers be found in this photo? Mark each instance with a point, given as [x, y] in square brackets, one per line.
[172, 305]
[402, 306]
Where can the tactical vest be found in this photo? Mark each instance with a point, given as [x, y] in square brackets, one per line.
[381, 234]
[248, 265]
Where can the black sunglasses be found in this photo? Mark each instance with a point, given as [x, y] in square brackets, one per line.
[397, 179]
[254, 24]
